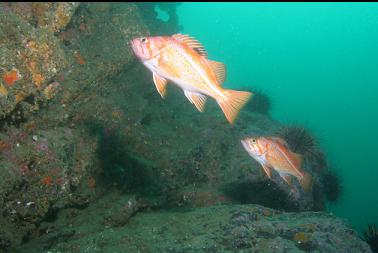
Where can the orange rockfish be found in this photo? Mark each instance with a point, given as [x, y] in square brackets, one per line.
[183, 60]
[273, 152]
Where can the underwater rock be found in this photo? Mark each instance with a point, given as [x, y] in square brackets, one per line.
[48, 163]
[50, 16]
[41, 174]
[29, 58]
[5, 243]
[220, 228]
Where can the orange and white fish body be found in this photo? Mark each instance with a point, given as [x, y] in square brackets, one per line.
[183, 60]
[273, 153]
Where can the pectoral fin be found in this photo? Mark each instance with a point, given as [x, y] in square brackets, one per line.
[197, 99]
[161, 84]
[268, 171]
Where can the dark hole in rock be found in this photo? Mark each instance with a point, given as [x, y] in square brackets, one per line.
[30, 99]
[122, 168]
[5, 243]
[14, 118]
[264, 192]
[51, 216]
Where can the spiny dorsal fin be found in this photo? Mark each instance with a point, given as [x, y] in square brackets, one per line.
[282, 141]
[197, 99]
[219, 69]
[192, 43]
[160, 84]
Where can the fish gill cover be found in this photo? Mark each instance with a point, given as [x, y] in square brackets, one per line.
[89, 149]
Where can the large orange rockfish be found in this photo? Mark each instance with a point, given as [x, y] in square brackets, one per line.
[273, 152]
[183, 60]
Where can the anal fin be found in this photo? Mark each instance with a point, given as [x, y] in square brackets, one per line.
[161, 84]
[197, 99]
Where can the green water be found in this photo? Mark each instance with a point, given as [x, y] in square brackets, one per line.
[319, 63]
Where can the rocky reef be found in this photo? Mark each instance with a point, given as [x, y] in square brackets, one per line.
[80, 121]
[219, 228]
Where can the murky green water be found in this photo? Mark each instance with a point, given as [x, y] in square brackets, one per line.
[319, 64]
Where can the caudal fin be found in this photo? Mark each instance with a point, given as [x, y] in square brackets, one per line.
[233, 102]
[306, 181]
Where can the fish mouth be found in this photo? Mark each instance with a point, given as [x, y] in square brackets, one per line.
[248, 146]
[133, 46]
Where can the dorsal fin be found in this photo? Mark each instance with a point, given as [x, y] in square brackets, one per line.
[219, 69]
[294, 159]
[280, 140]
[192, 43]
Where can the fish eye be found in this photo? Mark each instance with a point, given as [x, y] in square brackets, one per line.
[143, 40]
[253, 140]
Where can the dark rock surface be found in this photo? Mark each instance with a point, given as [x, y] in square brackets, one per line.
[220, 228]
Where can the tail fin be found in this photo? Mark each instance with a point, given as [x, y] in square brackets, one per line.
[233, 102]
[306, 181]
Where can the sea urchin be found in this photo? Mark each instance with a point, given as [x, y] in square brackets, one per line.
[370, 235]
[332, 186]
[260, 102]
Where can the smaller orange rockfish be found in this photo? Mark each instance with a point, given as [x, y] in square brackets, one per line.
[273, 152]
[183, 60]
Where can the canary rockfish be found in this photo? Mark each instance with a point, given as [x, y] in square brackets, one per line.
[273, 152]
[183, 60]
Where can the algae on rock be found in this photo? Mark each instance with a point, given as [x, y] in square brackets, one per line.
[220, 228]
